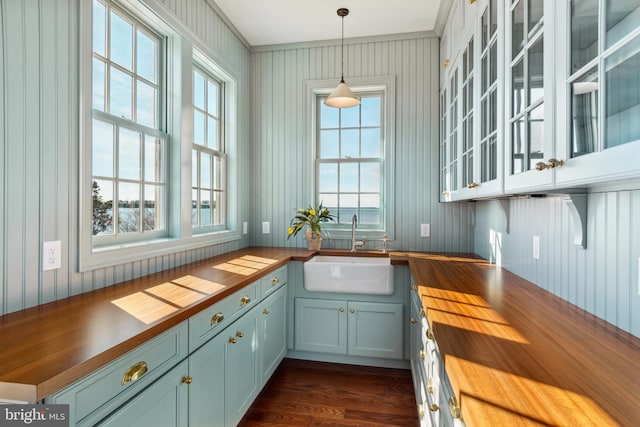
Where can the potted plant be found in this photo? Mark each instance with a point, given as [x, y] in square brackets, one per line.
[313, 218]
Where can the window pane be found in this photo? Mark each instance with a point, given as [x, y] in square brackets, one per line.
[349, 143]
[329, 145]
[212, 98]
[129, 154]
[121, 42]
[99, 28]
[328, 177]
[146, 58]
[194, 168]
[151, 214]
[102, 148]
[146, 105]
[622, 104]
[349, 117]
[153, 160]
[371, 143]
[194, 208]
[199, 95]
[217, 173]
[369, 209]
[517, 88]
[328, 115]
[584, 114]
[622, 18]
[205, 207]
[348, 177]
[536, 72]
[536, 136]
[348, 207]
[584, 33]
[370, 108]
[102, 207]
[120, 94]
[128, 207]
[517, 28]
[198, 128]
[370, 177]
[212, 133]
[98, 84]
[205, 170]
[329, 201]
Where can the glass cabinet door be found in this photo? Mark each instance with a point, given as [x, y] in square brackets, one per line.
[489, 93]
[602, 126]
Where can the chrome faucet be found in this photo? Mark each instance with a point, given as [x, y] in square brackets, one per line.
[355, 243]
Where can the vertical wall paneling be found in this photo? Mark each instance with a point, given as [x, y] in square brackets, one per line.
[283, 144]
[40, 139]
[602, 279]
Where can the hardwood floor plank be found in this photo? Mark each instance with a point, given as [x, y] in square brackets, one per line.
[305, 393]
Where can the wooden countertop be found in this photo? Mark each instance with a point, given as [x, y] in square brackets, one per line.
[518, 355]
[46, 348]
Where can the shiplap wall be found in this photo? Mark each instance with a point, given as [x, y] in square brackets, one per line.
[602, 279]
[283, 163]
[39, 155]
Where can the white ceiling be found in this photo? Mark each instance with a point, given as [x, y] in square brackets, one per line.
[268, 22]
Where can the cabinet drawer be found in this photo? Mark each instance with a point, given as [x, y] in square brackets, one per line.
[273, 281]
[102, 391]
[206, 324]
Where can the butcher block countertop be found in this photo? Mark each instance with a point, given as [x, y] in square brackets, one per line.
[46, 348]
[517, 355]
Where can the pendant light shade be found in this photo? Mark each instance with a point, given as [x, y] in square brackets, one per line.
[342, 97]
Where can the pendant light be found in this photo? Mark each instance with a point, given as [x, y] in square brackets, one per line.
[342, 97]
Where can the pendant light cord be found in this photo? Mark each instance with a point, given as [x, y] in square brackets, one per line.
[342, 51]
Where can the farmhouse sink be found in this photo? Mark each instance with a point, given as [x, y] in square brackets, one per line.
[349, 274]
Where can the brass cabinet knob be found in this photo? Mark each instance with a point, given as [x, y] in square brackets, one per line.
[433, 407]
[454, 407]
[187, 380]
[232, 340]
[472, 185]
[217, 318]
[430, 334]
[445, 193]
[430, 387]
[265, 311]
[275, 280]
[341, 309]
[421, 410]
[445, 63]
[240, 334]
[422, 313]
[352, 310]
[245, 300]
[551, 163]
[413, 320]
[134, 373]
[422, 355]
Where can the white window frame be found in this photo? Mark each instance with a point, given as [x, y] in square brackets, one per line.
[183, 48]
[362, 85]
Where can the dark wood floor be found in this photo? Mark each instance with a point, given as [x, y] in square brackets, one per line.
[303, 393]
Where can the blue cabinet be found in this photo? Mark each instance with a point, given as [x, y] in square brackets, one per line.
[272, 327]
[207, 389]
[355, 328]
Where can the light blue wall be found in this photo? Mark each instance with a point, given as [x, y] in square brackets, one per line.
[602, 279]
[283, 163]
[39, 154]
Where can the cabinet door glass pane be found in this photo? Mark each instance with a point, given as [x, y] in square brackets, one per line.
[536, 136]
[517, 88]
[518, 146]
[535, 9]
[622, 92]
[584, 114]
[622, 17]
[517, 29]
[584, 33]
[535, 72]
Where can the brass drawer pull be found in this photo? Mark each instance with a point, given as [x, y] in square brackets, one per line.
[187, 380]
[265, 311]
[134, 373]
[454, 408]
[217, 318]
[434, 408]
[233, 340]
[430, 388]
[240, 334]
[245, 300]
[274, 281]
[414, 321]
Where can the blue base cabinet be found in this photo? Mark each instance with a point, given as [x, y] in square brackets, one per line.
[272, 327]
[354, 328]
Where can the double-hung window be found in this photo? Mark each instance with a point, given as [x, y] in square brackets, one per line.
[129, 144]
[208, 156]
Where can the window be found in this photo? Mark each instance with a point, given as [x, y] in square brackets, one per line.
[158, 121]
[128, 146]
[208, 159]
[353, 155]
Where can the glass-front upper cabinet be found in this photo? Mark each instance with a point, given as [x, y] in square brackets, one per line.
[529, 100]
[600, 91]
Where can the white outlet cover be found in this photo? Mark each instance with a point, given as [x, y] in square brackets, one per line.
[51, 255]
[266, 229]
[536, 247]
[245, 227]
[425, 230]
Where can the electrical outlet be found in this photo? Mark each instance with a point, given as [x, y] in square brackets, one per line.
[51, 255]
[245, 227]
[536, 247]
[425, 230]
[266, 228]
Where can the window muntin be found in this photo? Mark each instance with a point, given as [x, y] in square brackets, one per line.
[128, 145]
[350, 160]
